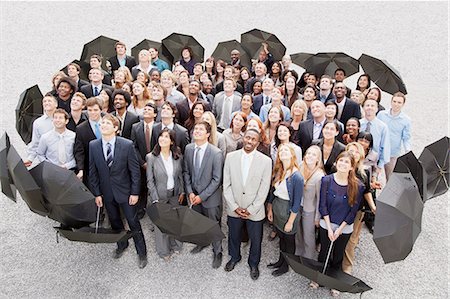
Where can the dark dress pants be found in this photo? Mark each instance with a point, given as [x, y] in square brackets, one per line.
[255, 232]
[130, 212]
[287, 244]
[337, 252]
[215, 214]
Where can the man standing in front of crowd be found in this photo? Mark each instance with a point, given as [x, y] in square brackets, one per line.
[121, 58]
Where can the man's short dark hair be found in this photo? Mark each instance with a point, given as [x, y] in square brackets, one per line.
[62, 111]
[339, 69]
[69, 81]
[206, 124]
[124, 93]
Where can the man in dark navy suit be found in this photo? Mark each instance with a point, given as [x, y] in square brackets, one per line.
[121, 59]
[115, 180]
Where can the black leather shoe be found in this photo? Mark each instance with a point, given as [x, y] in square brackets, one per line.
[141, 214]
[217, 261]
[279, 272]
[254, 273]
[230, 265]
[142, 261]
[118, 253]
[197, 249]
[274, 265]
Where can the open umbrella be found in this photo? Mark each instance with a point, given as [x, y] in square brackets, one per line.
[408, 163]
[328, 63]
[435, 159]
[25, 184]
[185, 224]
[300, 58]
[399, 217]
[252, 41]
[28, 109]
[331, 278]
[91, 235]
[7, 183]
[69, 201]
[103, 46]
[224, 49]
[147, 44]
[173, 44]
[383, 74]
[84, 72]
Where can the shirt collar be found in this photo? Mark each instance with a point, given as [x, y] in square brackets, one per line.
[112, 141]
[203, 147]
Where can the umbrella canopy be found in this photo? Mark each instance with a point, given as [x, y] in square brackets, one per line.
[300, 58]
[383, 74]
[332, 278]
[89, 235]
[173, 44]
[25, 184]
[435, 159]
[84, 72]
[399, 217]
[408, 163]
[147, 44]
[7, 183]
[252, 41]
[328, 63]
[185, 224]
[224, 49]
[28, 109]
[69, 201]
[103, 46]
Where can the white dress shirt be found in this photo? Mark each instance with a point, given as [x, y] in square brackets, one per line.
[168, 164]
[246, 162]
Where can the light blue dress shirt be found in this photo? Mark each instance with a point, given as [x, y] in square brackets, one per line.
[381, 139]
[399, 131]
[41, 126]
[48, 148]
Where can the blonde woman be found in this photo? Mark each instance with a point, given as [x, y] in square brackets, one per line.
[312, 171]
[299, 112]
[127, 72]
[215, 138]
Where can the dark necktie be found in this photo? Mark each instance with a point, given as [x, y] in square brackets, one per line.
[95, 91]
[147, 137]
[368, 127]
[109, 154]
[197, 163]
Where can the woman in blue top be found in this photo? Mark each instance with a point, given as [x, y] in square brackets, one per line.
[340, 196]
[288, 186]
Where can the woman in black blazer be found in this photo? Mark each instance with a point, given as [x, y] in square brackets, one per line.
[331, 148]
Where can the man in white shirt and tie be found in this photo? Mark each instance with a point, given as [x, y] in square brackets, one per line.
[225, 104]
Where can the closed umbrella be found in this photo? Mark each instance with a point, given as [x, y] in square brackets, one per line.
[28, 109]
[91, 235]
[223, 51]
[173, 44]
[385, 76]
[252, 41]
[328, 63]
[103, 46]
[7, 183]
[147, 44]
[408, 163]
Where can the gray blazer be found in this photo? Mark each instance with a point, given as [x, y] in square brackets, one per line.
[209, 188]
[253, 193]
[218, 105]
[157, 178]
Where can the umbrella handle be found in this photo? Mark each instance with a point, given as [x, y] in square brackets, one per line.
[328, 257]
[98, 219]
[57, 237]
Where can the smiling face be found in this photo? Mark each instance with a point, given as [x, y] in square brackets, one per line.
[317, 109]
[284, 153]
[246, 102]
[49, 104]
[353, 150]
[274, 115]
[200, 134]
[312, 157]
[330, 111]
[344, 165]
[138, 89]
[238, 122]
[59, 121]
[283, 134]
[290, 83]
[397, 104]
[119, 102]
[107, 127]
[149, 113]
[164, 140]
[253, 124]
[329, 131]
[352, 127]
[257, 88]
[64, 89]
[167, 112]
[250, 141]
[363, 82]
[76, 104]
[198, 111]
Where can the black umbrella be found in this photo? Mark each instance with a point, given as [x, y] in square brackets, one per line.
[252, 41]
[300, 58]
[147, 44]
[383, 74]
[103, 46]
[28, 109]
[173, 44]
[399, 217]
[84, 72]
[69, 201]
[223, 51]
[91, 235]
[331, 278]
[25, 184]
[408, 163]
[185, 224]
[328, 63]
[435, 159]
[7, 183]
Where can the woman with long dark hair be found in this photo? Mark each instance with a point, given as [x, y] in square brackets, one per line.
[195, 116]
[363, 84]
[291, 92]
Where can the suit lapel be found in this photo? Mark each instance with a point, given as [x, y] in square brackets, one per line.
[159, 160]
[253, 168]
[205, 158]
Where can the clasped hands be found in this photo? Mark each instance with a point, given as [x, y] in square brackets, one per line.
[194, 199]
[243, 213]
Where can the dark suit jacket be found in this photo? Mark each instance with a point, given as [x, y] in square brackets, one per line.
[209, 187]
[71, 125]
[351, 109]
[122, 179]
[239, 88]
[257, 103]
[81, 83]
[130, 119]
[84, 135]
[129, 62]
[305, 134]
[335, 151]
[138, 138]
[89, 93]
[183, 109]
[181, 136]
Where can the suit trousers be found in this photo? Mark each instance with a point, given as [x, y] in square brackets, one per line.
[305, 238]
[130, 212]
[143, 195]
[287, 244]
[255, 233]
[337, 253]
[215, 214]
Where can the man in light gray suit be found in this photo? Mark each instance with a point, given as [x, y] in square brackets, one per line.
[202, 171]
[246, 183]
[225, 104]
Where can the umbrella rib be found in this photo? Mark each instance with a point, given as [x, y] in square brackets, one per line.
[442, 173]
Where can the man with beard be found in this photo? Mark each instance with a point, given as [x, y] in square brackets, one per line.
[65, 88]
[121, 100]
[156, 61]
[346, 107]
[185, 106]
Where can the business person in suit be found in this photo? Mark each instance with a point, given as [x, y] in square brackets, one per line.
[225, 104]
[121, 100]
[165, 182]
[202, 171]
[311, 129]
[141, 135]
[95, 86]
[346, 107]
[330, 147]
[121, 58]
[115, 181]
[185, 105]
[168, 113]
[246, 183]
[73, 70]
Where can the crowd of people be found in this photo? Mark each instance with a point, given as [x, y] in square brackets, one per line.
[304, 153]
